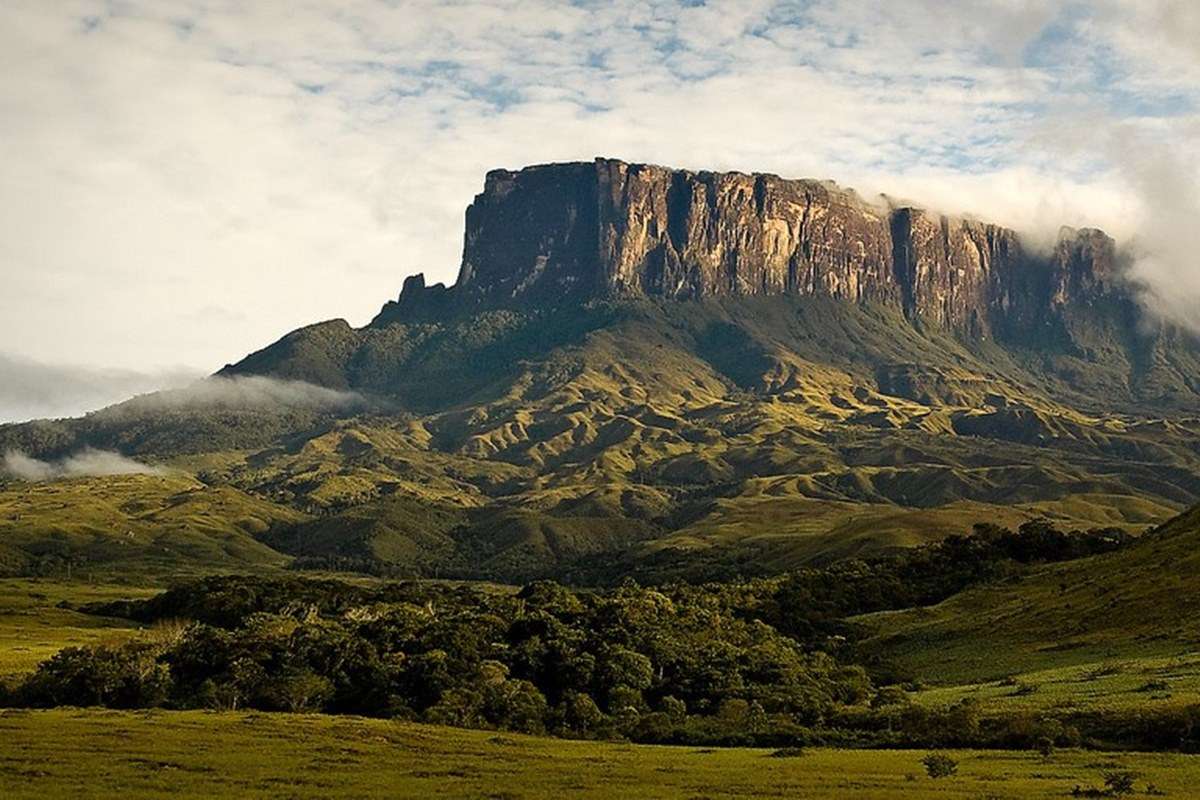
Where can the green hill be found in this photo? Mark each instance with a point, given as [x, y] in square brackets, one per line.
[1139, 603]
[769, 432]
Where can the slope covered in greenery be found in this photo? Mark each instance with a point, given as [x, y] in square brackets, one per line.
[771, 661]
[1139, 603]
[730, 436]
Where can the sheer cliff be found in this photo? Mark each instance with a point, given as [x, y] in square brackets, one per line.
[609, 229]
[579, 245]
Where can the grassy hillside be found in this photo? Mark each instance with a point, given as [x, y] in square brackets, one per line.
[34, 624]
[133, 524]
[75, 752]
[1138, 603]
[765, 433]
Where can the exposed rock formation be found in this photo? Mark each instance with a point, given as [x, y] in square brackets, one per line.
[608, 228]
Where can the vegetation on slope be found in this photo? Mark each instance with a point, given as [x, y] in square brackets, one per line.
[733, 437]
[1139, 602]
[767, 662]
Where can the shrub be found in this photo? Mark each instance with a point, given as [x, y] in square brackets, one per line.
[940, 765]
[118, 677]
[788, 752]
[1045, 747]
[1119, 782]
[580, 714]
[301, 690]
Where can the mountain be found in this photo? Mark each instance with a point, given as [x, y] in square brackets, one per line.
[565, 236]
[612, 229]
[666, 373]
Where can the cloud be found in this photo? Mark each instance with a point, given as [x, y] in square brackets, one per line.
[85, 463]
[186, 179]
[1131, 121]
[32, 390]
[1164, 174]
[248, 391]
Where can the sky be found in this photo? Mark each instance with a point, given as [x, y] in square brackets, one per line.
[184, 181]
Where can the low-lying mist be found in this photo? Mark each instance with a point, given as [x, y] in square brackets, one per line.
[31, 389]
[85, 463]
[248, 391]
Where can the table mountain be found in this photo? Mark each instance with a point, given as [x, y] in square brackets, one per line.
[611, 229]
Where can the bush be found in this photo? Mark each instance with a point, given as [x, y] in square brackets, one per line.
[117, 677]
[939, 765]
[1119, 782]
[301, 690]
[580, 714]
[788, 752]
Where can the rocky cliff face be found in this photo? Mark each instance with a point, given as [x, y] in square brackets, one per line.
[608, 228]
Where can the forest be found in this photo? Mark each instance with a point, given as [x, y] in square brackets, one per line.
[765, 662]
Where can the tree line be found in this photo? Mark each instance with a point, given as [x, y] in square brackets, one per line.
[754, 662]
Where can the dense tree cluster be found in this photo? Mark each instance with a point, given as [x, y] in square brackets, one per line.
[633, 662]
[755, 662]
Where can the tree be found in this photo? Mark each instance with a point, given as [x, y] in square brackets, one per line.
[621, 666]
[300, 690]
[580, 713]
[673, 707]
[117, 677]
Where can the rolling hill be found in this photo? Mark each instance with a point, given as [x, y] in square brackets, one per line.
[1138, 603]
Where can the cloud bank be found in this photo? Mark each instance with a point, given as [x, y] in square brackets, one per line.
[248, 391]
[186, 179]
[33, 390]
[85, 463]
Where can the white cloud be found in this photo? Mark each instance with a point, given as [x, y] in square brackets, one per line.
[29, 389]
[185, 180]
[87, 462]
[246, 391]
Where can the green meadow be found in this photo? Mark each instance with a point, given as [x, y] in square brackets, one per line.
[35, 626]
[74, 753]
[1110, 633]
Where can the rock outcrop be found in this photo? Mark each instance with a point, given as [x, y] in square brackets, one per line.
[559, 232]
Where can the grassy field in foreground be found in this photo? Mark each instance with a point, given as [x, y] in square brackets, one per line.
[91, 753]
[33, 627]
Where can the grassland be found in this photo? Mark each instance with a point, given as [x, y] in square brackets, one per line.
[1148, 684]
[765, 434]
[1140, 603]
[1111, 633]
[34, 627]
[78, 753]
[130, 525]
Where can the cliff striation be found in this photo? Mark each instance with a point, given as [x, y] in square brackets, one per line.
[573, 231]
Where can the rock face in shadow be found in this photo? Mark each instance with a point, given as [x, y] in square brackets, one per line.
[557, 232]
